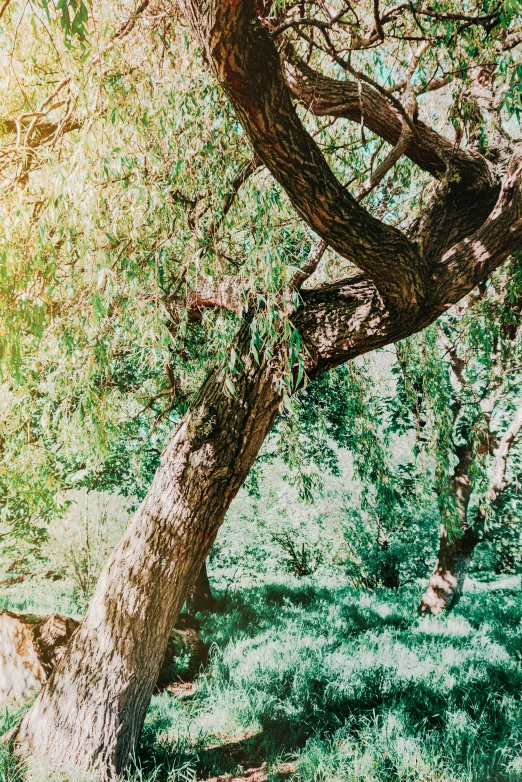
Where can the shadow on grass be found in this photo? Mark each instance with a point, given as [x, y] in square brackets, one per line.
[294, 667]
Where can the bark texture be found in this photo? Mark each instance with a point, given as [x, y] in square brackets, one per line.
[447, 580]
[30, 647]
[91, 711]
[359, 102]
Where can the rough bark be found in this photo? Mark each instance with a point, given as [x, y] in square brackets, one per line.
[91, 711]
[327, 97]
[470, 183]
[31, 647]
[200, 597]
[463, 228]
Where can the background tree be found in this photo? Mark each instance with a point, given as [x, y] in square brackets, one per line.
[460, 385]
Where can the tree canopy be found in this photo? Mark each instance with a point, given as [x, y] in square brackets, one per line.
[206, 208]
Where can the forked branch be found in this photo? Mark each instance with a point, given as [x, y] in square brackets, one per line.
[248, 67]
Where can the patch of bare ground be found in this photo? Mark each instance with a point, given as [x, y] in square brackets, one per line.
[245, 756]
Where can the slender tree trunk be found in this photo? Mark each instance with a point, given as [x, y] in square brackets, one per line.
[455, 553]
[200, 597]
[91, 711]
[447, 580]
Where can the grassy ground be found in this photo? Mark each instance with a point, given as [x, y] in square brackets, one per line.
[330, 684]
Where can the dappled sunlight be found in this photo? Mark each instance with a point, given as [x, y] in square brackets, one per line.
[354, 686]
[451, 626]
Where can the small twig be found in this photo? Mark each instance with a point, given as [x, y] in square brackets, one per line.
[378, 24]
[128, 25]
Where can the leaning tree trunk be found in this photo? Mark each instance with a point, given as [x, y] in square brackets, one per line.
[200, 597]
[91, 711]
[447, 580]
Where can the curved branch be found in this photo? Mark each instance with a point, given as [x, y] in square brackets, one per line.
[347, 318]
[474, 258]
[344, 319]
[248, 67]
[324, 96]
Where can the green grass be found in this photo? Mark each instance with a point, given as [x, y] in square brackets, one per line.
[353, 686]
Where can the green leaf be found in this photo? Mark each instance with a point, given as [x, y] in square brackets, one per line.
[230, 386]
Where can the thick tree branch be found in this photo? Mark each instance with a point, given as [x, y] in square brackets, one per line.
[248, 67]
[346, 318]
[472, 260]
[224, 294]
[319, 248]
[470, 183]
[360, 102]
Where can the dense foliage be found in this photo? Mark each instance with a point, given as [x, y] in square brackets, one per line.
[127, 182]
[139, 230]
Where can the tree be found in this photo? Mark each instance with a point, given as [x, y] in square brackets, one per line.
[467, 411]
[91, 711]
[456, 548]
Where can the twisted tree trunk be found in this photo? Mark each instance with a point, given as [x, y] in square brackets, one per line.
[91, 710]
